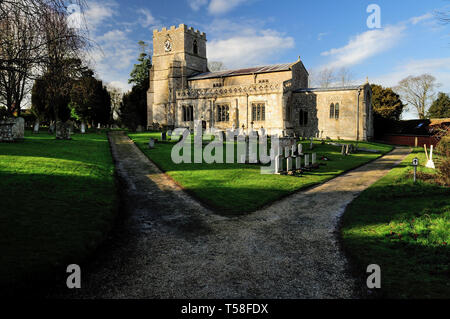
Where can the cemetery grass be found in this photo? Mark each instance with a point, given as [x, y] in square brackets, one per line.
[234, 189]
[58, 201]
[405, 229]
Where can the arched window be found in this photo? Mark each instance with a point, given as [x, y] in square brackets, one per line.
[303, 118]
[195, 47]
[332, 111]
[336, 111]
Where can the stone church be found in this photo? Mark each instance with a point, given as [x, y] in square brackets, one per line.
[275, 97]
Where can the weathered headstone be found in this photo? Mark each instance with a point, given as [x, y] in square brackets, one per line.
[313, 158]
[300, 149]
[6, 130]
[286, 152]
[62, 131]
[36, 127]
[306, 160]
[18, 128]
[293, 149]
[278, 164]
[289, 164]
[298, 162]
[151, 143]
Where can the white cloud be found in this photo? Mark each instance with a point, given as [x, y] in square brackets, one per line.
[364, 46]
[249, 50]
[416, 20]
[223, 6]
[197, 4]
[147, 18]
[97, 12]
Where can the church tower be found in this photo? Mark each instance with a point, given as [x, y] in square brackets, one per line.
[177, 54]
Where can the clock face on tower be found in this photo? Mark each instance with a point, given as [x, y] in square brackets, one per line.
[168, 45]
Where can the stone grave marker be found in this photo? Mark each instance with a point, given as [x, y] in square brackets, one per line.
[289, 164]
[313, 158]
[151, 143]
[306, 160]
[298, 162]
[18, 128]
[300, 149]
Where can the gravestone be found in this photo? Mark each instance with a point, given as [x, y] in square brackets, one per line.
[278, 164]
[313, 159]
[293, 149]
[18, 129]
[306, 160]
[36, 127]
[298, 162]
[262, 132]
[311, 144]
[83, 128]
[62, 131]
[51, 128]
[139, 129]
[300, 149]
[343, 151]
[151, 143]
[286, 151]
[6, 130]
[289, 164]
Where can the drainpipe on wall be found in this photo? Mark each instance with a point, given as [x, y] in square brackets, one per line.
[357, 116]
[247, 114]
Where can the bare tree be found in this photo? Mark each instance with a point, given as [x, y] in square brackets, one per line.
[418, 91]
[344, 76]
[25, 26]
[325, 77]
[215, 66]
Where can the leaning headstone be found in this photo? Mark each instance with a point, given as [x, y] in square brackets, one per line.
[151, 143]
[306, 160]
[313, 159]
[18, 128]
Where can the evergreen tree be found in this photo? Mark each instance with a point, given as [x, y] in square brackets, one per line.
[440, 107]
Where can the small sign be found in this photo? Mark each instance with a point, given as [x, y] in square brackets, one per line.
[415, 162]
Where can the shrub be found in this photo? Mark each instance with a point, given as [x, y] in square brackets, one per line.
[443, 164]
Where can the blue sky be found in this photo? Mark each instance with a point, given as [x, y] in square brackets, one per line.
[244, 33]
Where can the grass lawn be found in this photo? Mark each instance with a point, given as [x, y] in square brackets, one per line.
[233, 189]
[404, 228]
[58, 200]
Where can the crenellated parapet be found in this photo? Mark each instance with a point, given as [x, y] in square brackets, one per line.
[229, 91]
[181, 27]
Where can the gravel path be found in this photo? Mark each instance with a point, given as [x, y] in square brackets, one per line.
[170, 246]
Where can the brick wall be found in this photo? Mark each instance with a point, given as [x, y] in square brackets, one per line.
[410, 140]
